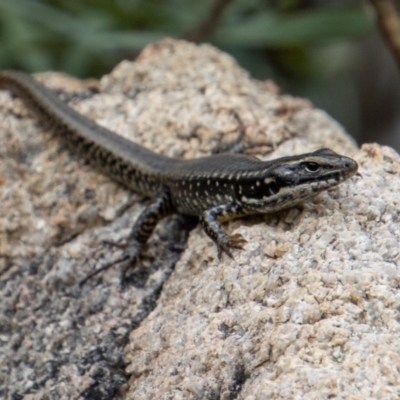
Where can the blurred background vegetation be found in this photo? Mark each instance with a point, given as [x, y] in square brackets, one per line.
[328, 51]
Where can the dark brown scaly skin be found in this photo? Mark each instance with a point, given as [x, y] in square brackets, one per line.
[215, 188]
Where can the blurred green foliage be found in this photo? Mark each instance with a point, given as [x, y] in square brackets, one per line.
[87, 38]
[297, 43]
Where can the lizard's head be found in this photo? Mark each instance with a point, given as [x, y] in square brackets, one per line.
[287, 181]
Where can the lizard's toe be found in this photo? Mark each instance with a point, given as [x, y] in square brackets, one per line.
[225, 245]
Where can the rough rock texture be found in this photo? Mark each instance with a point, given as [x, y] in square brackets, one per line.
[309, 308]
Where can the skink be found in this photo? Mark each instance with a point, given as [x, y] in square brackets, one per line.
[214, 188]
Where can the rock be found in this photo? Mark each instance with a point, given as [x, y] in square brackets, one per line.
[308, 309]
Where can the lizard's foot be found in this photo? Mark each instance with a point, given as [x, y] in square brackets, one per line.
[238, 145]
[130, 256]
[227, 243]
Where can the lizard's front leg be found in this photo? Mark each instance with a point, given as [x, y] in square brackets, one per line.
[210, 221]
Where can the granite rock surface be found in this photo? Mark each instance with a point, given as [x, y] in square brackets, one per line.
[308, 309]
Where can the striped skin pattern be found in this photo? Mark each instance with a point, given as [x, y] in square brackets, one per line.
[215, 188]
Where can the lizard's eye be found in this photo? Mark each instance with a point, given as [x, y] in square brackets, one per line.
[311, 166]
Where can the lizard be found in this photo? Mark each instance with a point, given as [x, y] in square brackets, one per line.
[215, 188]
